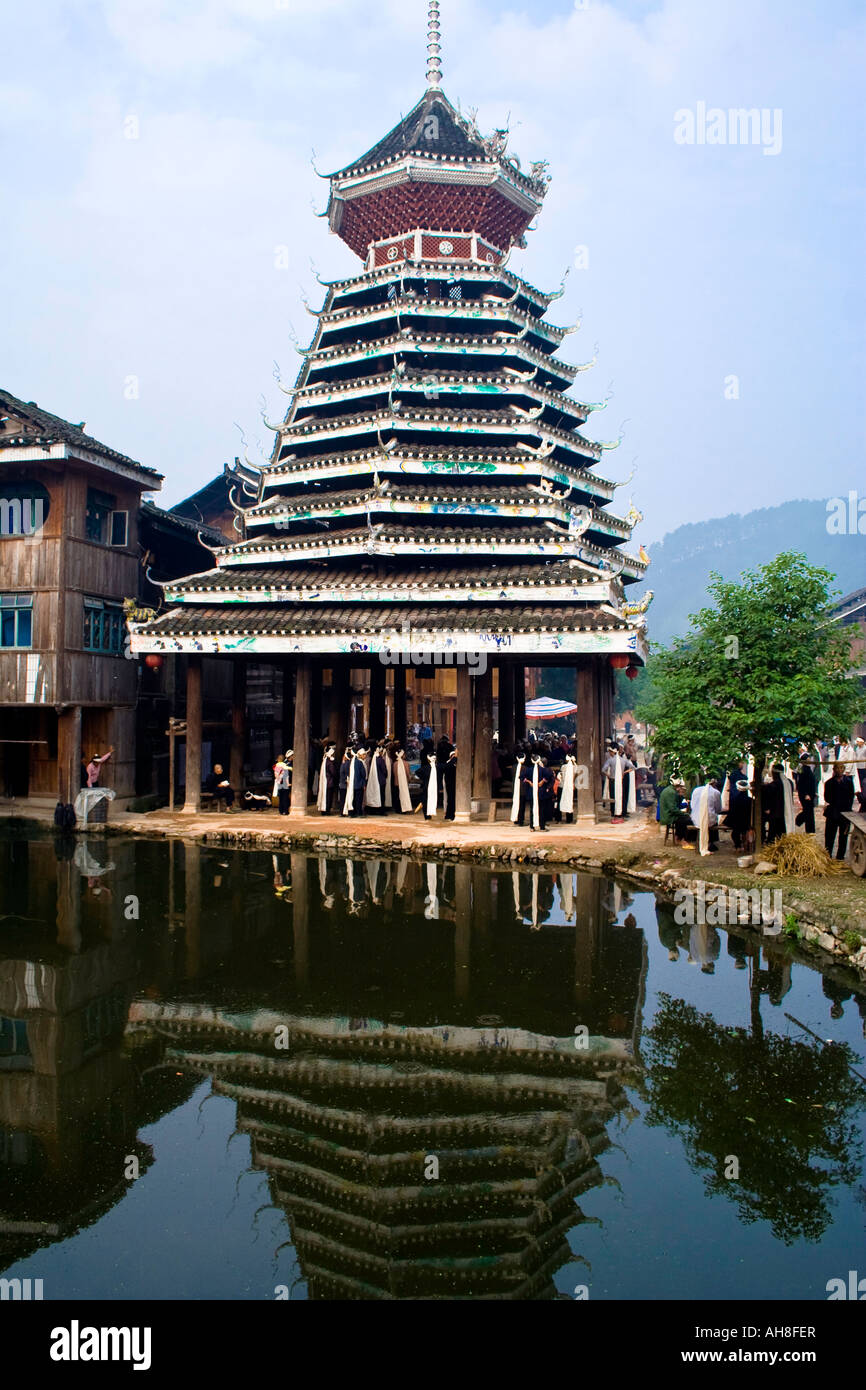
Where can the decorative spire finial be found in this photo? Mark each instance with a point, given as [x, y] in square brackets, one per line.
[434, 62]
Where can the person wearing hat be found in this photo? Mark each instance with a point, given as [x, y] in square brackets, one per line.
[672, 806]
[327, 780]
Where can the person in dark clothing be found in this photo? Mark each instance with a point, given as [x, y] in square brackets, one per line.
[426, 770]
[218, 786]
[739, 817]
[839, 798]
[773, 807]
[546, 794]
[806, 791]
[360, 784]
[449, 784]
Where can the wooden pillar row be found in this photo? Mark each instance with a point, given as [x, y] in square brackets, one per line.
[239, 724]
[463, 808]
[400, 721]
[301, 740]
[378, 697]
[506, 705]
[316, 699]
[482, 736]
[338, 726]
[68, 753]
[519, 700]
[192, 802]
[588, 724]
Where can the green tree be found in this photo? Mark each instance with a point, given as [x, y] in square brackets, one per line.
[786, 1109]
[758, 673]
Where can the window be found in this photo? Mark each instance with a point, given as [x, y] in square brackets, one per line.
[14, 1045]
[97, 522]
[119, 528]
[104, 626]
[16, 620]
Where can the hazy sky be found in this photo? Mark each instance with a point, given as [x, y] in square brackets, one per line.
[155, 257]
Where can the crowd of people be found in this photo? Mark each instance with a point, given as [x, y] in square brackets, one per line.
[541, 776]
[829, 779]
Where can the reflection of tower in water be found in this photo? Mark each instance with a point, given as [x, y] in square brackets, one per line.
[426, 1159]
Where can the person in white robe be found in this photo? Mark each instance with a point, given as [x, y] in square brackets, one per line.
[401, 778]
[566, 792]
[706, 805]
[327, 780]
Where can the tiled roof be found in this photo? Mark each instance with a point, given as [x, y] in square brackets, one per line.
[309, 618]
[45, 428]
[413, 135]
[396, 576]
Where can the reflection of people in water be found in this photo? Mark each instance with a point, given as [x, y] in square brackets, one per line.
[282, 884]
[90, 868]
[670, 933]
[737, 948]
[534, 900]
[839, 996]
[431, 901]
[704, 947]
[778, 977]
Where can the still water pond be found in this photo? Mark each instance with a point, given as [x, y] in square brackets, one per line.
[374, 1078]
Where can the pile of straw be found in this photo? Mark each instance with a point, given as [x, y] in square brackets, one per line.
[802, 856]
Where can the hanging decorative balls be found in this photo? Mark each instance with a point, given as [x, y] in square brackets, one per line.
[631, 672]
[154, 661]
[619, 661]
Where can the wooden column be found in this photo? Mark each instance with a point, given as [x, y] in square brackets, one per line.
[506, 705]
[69, 906]
[239, 724]
[301, 740]
[300, 920]
[288, 729]
[586, 939]
[192, 908]
[315, 700]
[482, 737]
[339, 722]
[464, 744]
[462, 929]
[588, 750]
[519, 700]
[192, 803]
[377, 700]
[68, 753]
[400, 721]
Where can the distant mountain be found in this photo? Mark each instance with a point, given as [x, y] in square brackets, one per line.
[683, 559]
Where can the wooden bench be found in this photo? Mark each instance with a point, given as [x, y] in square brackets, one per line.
[858, 841]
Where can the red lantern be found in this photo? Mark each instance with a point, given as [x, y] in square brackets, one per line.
[619, 662]
[631, 672]
[153, 661]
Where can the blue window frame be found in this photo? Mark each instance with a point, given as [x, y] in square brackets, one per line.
[104, 626]
[16, 620]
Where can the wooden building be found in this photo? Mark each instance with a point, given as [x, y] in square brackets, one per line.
[77, 543]
[431, 501]
[850, 612]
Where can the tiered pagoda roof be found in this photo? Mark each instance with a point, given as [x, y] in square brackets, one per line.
[344, 1120]
[429, 428]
